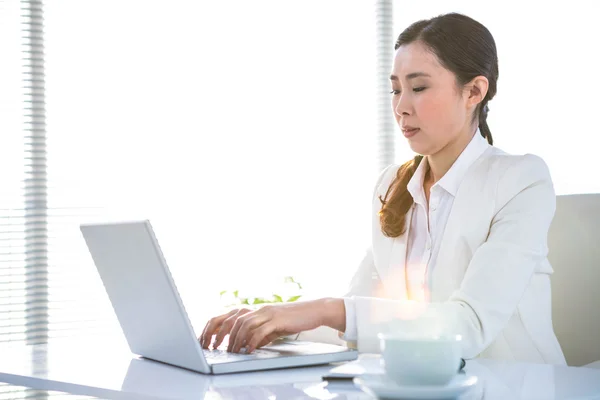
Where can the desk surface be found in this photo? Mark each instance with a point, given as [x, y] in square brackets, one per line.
[105, 368]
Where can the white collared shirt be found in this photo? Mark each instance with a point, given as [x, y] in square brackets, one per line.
[429, 221]
[427, 225]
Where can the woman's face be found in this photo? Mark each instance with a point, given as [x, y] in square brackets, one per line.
[430, 109]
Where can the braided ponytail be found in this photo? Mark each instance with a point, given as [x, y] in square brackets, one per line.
[398, 200]
[483, 126]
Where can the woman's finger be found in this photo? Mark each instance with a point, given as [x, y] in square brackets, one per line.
[237, 340]
[226, 327]
[238, 336]
[211, 327]
[273, 336]
[258, 335]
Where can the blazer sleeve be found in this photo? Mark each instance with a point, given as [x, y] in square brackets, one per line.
[498, 273]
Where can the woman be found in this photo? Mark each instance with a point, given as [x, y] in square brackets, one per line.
[461, 229]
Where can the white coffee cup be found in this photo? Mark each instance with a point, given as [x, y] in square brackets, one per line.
[420, 360]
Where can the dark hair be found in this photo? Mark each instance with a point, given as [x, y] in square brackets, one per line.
[465, 47]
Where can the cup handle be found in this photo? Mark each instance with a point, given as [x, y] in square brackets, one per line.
[462, 364]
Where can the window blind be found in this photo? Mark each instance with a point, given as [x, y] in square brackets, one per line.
[384, 25]
[23, 184]
[47, 281]
[23, 199]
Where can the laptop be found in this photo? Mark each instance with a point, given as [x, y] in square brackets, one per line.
[152, 316]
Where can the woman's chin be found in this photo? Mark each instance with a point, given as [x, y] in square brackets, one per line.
[420, 148]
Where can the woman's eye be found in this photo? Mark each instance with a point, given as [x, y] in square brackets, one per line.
[416, 90]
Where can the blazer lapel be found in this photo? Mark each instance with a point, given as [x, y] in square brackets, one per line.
[454, 253]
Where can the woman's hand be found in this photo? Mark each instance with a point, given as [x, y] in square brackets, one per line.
[253, 329]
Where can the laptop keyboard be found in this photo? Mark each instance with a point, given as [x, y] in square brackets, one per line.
[222, 356]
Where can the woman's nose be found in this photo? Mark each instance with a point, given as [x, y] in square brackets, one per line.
[402, 106]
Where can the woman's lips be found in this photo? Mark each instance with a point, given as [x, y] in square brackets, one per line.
[410, 132]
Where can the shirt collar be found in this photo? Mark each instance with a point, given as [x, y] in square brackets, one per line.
[452, 179]
[415, 184]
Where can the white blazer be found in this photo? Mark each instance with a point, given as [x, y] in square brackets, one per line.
[492, 275]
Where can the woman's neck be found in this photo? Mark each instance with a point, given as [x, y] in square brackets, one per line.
[441, 162]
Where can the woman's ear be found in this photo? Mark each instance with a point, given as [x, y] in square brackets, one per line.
[476, 90]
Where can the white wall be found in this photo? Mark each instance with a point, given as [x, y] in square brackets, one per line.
[243, 130]
[547, 100]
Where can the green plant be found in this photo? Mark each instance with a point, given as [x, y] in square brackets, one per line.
[274, 298]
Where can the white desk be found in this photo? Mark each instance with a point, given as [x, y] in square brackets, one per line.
[105, 368]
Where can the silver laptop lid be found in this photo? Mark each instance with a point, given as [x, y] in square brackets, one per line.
[143, 293]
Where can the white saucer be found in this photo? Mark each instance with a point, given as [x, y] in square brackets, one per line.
[380, 386]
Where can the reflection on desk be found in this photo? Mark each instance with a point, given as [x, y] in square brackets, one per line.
[11, 392]
[153, 378]
[497, 380]
[107, 370]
